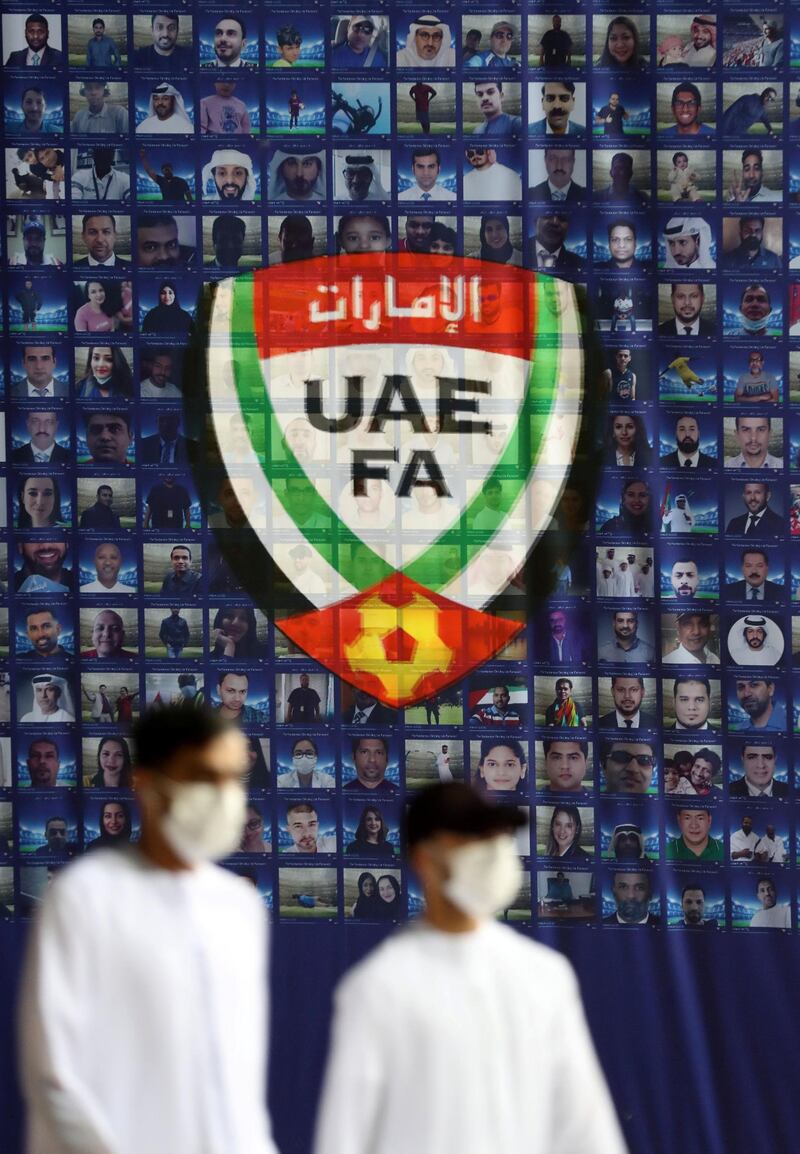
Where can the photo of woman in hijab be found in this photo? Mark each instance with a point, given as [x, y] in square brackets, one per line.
[389, 905]
[364, 905]
[168, 316]
[496, 244]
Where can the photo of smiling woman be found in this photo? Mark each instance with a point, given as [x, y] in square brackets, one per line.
[621, 50]
[371, 836]
[502, 767]
[94, 316]
[113, 764]
[233, 633]
[107, 374]
[115, 826]
[39, 503]
[496, 246]
[565, 833]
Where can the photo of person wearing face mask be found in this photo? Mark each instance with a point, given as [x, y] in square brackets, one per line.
[187, 934]
[495, 984]
[304, 773]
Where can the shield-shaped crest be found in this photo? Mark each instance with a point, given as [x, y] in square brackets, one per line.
[410, 422]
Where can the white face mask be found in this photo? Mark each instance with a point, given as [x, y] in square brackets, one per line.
[204, 822]
[757, 325]
[485, 876]
[304, 765]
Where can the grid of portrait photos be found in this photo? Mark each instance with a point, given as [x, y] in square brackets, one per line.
[643, 717]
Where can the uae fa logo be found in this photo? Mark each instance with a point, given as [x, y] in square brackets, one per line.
[411, 406]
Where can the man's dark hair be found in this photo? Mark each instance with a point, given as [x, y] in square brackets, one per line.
[633, 613]
[236, 19]
[223, 673]
[753, 152]
[489, 80]
[155, 219]
[384, 742]
[124, 417]
[766, 91]
[692, 886]
[695, 283]
[36, 18]
[686, 86]
[767, 878]
[90, 215]
[420, 152]
[675, 156]
[186, 547]
[58, 817]
[549, 742]
[102, 23]
[622, 222]
[706, 754]
[223, 224]
[169, 15]
[646, 874]
[627, 677]
[700, 681]
[288, 34]
[42, 741]
[161, 733]
[737, 419]
[755, 549]
[570, 87]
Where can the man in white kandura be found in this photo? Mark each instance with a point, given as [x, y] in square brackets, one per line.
[143, 1010]
[458, 1035]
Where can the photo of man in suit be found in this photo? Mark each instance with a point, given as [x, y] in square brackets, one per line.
[755, 585]
[632, 893]
[687, 455]
[99, 237]
[759, 520]
[38, 54]
[628, 694]
[559, 187]
[758, 763]
[550, 253]
[560, 643]
[41, 448]
[38, 381]
[687, 303]
[367, 710]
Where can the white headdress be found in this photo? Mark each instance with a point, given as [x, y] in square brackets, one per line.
[690, 226]
[222, 156]
[408, 57]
